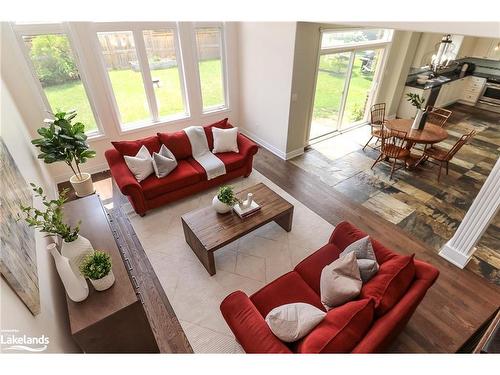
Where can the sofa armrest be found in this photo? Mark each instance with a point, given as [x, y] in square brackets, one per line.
[246, 146]
[248, 326]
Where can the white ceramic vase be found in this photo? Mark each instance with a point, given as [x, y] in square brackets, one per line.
[416, 121]
[76, 251]
[220, 207]
[74, 283]
[83, 186]
[104, 283]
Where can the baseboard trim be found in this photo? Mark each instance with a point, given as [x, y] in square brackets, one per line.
[294, 153]
[94, 169]
[276, 151]
[453, 256]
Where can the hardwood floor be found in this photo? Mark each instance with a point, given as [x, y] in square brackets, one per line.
[453, 309]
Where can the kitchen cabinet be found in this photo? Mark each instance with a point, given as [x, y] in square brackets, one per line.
[405, 109]
[487, 48]
[472, 90]
[450, 92]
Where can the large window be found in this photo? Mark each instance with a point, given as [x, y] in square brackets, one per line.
[349, 65]
[166, 71]
[122, 64]
[128, 74]
[56, 69]
[209, 48]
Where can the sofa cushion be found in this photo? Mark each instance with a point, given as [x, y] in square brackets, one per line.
[232, 160]
[131, 148]
[341, 329]
[390, 283]
[182, 176]
[178, 143]
[310, 268]
[289, 288]
[164, 162]
[222, 124]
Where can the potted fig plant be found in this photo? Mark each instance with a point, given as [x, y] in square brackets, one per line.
[74, 247]
[97, 268]
[225, 199]
[421, 116]
[61, 140]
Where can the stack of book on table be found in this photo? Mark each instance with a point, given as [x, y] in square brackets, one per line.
[254, 207]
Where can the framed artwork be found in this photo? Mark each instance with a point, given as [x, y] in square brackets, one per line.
[17, 248]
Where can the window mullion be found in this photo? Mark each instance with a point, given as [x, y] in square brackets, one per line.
[146, 73]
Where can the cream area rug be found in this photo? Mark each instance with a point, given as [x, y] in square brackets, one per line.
[246, 264]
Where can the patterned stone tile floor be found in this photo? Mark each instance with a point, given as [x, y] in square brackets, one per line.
[414, 200]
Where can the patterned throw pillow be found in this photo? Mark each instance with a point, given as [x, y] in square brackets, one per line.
[367, 262]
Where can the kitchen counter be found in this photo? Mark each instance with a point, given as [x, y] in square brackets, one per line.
[448, 77]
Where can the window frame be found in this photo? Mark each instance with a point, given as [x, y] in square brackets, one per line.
[352, 48]
[223, 48]
[62, 28]
[356, 45]
[137, 29]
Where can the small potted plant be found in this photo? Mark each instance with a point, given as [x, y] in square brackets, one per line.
[421, 116]
[61, 140]
[225, 199]
[97, 268]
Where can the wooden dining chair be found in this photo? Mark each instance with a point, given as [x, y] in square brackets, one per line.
[392, 147]
[440, 156]
[377, 118]
[438, 116]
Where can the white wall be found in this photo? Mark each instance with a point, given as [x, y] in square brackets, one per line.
[52, 320]
[266, 52]
[19, 80]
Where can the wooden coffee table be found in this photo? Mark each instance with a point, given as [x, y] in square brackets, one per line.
[206, 231]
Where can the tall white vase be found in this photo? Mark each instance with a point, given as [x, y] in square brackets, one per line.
[74, 283]
[76, 251]
[418, 117]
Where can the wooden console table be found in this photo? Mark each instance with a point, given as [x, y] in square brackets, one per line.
[112, 321]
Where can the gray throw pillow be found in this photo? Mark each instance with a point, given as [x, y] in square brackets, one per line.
[367, 262]
[164, 162]
[340, 282]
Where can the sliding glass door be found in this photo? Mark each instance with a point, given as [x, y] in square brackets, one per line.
[332, 78]
[348, 68]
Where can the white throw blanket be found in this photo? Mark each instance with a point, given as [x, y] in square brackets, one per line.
[199, 145]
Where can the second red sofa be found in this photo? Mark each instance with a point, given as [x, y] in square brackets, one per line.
[367, 325]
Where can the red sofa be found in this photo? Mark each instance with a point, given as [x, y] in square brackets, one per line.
[367, 325]
[188, 178]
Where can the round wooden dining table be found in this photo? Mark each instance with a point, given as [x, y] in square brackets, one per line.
[430, 134]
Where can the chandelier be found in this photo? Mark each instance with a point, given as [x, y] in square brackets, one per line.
[445, 54]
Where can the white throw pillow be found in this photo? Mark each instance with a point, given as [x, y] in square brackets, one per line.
[225, 140]
[164, 162]
[141, 165]
[340, 281]
[293, 321]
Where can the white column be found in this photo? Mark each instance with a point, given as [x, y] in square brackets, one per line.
[460, 248]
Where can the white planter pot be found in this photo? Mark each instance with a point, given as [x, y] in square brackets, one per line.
[418, 117]
[220, 207]
[74, 283]
[104, 283]
[83, 186]
[76, 251]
